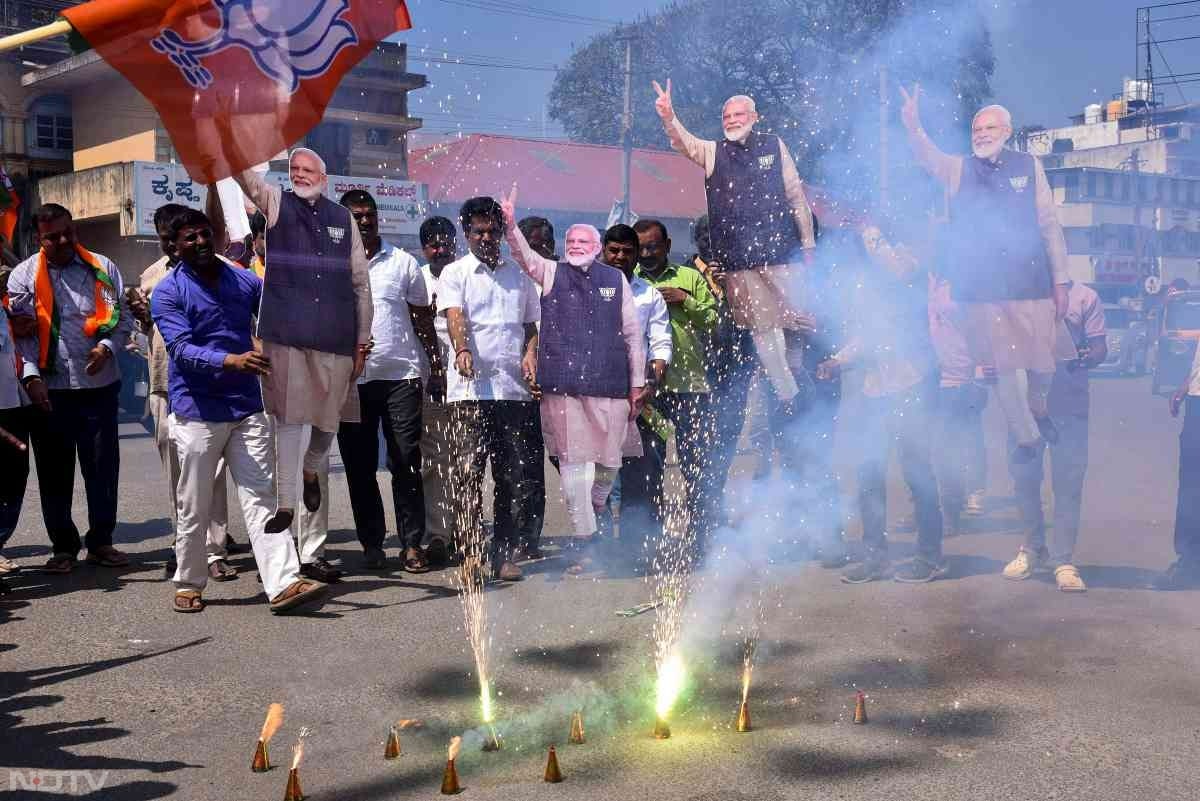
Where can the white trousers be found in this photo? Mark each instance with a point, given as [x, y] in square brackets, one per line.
[296, 452]
[160, 410]
[248, 451]
[585, 489]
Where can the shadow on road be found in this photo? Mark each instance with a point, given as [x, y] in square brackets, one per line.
[590, 656]
[811, 764]
[46, 747]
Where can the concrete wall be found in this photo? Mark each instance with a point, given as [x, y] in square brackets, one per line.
[99, 192]
[138, 147]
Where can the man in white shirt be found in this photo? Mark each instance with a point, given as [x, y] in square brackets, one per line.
[491, 308]
[439, 246]
[638, 489]
[1184, 573]
[389, 394]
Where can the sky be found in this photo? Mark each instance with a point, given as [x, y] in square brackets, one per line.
[1053, 57]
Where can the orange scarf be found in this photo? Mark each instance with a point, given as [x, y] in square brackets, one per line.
[257, 267]
[102, 321]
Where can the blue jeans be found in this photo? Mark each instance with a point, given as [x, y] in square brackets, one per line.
[1187, 507]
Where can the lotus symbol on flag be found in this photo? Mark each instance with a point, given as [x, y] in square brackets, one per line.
[288, 40]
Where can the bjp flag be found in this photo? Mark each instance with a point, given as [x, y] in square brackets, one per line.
[10, 203]
[235, 81]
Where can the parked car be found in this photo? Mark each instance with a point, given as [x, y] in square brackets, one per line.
[1128, 341]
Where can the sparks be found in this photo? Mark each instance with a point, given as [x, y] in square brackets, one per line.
[671, 679]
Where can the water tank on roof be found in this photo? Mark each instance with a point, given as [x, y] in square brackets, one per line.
[1115, 110]
[1093, 113]
[1137, 90]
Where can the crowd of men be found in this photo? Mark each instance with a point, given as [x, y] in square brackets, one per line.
[316, 328]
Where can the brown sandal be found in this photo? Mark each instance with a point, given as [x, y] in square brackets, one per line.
[415, 561]
[297, 593]
[188, 601]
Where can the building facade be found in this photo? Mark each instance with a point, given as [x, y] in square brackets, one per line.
[117, 140]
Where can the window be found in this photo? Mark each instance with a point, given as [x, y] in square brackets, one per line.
[1123, 187]
[53, 132]
[1092, 183]
[1108, 186]
[49, 131]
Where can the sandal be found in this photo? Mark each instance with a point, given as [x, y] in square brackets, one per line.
[61, 563]
[107, 556]
[415, 562]
[297, 593]
[188, 601]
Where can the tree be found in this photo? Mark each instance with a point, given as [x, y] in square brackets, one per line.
[812, 69]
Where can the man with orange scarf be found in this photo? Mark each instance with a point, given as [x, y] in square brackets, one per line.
[70, 372]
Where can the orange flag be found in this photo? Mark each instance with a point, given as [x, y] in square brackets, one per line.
[235, 81]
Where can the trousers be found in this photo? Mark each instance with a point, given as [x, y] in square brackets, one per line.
[160, 410]
[81, 424]
[247, 448]
[1068, 467]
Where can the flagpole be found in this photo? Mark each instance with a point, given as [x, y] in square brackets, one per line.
[59, 28]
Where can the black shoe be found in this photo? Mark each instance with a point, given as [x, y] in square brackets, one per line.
[374, 558]
[531, 552]
[1181, 575]
[919, 570]
[873, 568]
[321, 571]
[1047, 429]
[232, 546]
[312, 494]
[281, 521]
[437, 554]
[4, 588]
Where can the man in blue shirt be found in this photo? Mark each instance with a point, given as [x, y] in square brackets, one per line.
[204, 311]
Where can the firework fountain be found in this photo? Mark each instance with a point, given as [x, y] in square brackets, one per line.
[749, 648]
[293, 791]
[470, 580]
[262, 761]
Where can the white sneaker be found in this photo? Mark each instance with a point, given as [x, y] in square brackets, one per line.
[974, 504]
[1068, 580]
[8, 566]
[1023, 566]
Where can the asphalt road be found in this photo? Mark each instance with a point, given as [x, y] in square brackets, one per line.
[978, 688]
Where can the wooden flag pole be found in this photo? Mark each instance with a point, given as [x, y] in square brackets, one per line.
[59, 28]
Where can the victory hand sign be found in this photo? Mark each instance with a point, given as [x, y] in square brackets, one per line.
[910, 112]
[663, 104]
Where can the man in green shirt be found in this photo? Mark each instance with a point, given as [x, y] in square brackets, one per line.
[684, 397]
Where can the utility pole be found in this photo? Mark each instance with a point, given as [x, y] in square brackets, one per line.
[627, 130]
[884, 105]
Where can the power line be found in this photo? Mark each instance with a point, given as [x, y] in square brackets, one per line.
[534, 12]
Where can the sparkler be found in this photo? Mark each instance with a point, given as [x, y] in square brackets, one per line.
[262, 762]
[293, 791]
[469, 580]
[450, 785]
[749, 647]
[576, 737]
[392, 750]
[673, 565]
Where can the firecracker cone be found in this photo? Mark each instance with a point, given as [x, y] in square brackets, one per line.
[743, 718]
[577, 729]
[293, 791]
[553, 774]
[261, 762]
[860, 708]
[392, 749]
[491, 742]
[662, 730]
[450, 785]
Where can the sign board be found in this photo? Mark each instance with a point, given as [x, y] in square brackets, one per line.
[402, 204]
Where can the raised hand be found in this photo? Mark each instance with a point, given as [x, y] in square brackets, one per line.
[509, 206]
[663, 104]
[910, 112]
